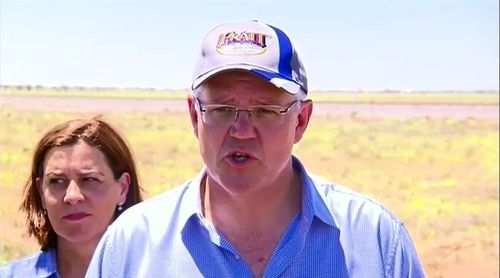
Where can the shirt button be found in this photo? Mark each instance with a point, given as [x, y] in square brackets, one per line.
[237, 257]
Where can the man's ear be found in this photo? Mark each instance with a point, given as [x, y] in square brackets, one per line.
[306, 108]
[38, 184]
[193, 113]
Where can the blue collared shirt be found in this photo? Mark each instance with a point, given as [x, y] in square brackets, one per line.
[40, 265]
[338, 233]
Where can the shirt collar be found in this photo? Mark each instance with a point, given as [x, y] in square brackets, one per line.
[312, 203]
[191, 207]
[191, 201]
[46, 264]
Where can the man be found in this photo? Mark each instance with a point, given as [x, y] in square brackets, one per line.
[254, 211]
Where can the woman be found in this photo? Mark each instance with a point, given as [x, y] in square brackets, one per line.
[82, 177]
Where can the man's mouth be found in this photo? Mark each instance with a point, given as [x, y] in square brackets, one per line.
[240, 157]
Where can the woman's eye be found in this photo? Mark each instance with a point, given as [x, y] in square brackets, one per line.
[90, 180]
[57, 181]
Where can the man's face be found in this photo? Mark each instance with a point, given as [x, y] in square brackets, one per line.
[245, 154]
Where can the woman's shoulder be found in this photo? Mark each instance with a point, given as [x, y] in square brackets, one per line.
[41, 264]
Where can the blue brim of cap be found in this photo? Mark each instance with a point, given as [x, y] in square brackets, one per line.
[276, 79]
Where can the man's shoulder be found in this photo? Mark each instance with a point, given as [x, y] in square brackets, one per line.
[156, 206]
[164, 199]
[153, 225]
[331, 190]
[367, 227]
[347, 204]
[152, 216]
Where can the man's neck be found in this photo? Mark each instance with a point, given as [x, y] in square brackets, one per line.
[259, 209]
[254, 223]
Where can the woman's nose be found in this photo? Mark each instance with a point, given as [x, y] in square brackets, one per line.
[73, 193]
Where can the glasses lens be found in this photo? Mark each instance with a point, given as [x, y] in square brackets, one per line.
[220, 114]
[266, 116]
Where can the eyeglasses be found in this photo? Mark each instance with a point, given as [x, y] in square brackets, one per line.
[259, 115]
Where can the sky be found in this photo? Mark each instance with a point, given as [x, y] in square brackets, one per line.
[345, 45]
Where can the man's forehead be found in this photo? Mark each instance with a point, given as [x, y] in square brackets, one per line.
[243, 89]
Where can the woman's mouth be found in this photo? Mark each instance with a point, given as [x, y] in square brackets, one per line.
[76, 216]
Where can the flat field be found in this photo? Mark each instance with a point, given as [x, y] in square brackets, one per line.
[438, 173]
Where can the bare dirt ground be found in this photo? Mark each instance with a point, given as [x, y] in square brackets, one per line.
[454, 111]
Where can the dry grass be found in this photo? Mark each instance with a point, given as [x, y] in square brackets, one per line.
[439, 175]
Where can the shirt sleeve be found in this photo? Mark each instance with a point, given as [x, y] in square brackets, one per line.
[102, 262]
[404, 262]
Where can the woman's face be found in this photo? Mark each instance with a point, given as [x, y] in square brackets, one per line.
[79, 192]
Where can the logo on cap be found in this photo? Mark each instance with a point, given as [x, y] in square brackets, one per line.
[244, 43]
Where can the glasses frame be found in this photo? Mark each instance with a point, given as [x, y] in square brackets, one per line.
[284, 109]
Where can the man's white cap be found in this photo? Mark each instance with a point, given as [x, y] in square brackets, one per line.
[254, 46]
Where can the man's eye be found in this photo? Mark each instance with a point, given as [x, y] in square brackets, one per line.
[263, 111]
[224, 109]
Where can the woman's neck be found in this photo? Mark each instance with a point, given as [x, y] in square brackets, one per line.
[73, 259]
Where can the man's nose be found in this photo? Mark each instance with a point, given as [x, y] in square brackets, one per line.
[242, 127]
[73, 193]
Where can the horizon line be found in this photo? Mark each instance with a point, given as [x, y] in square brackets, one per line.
[130, 88]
